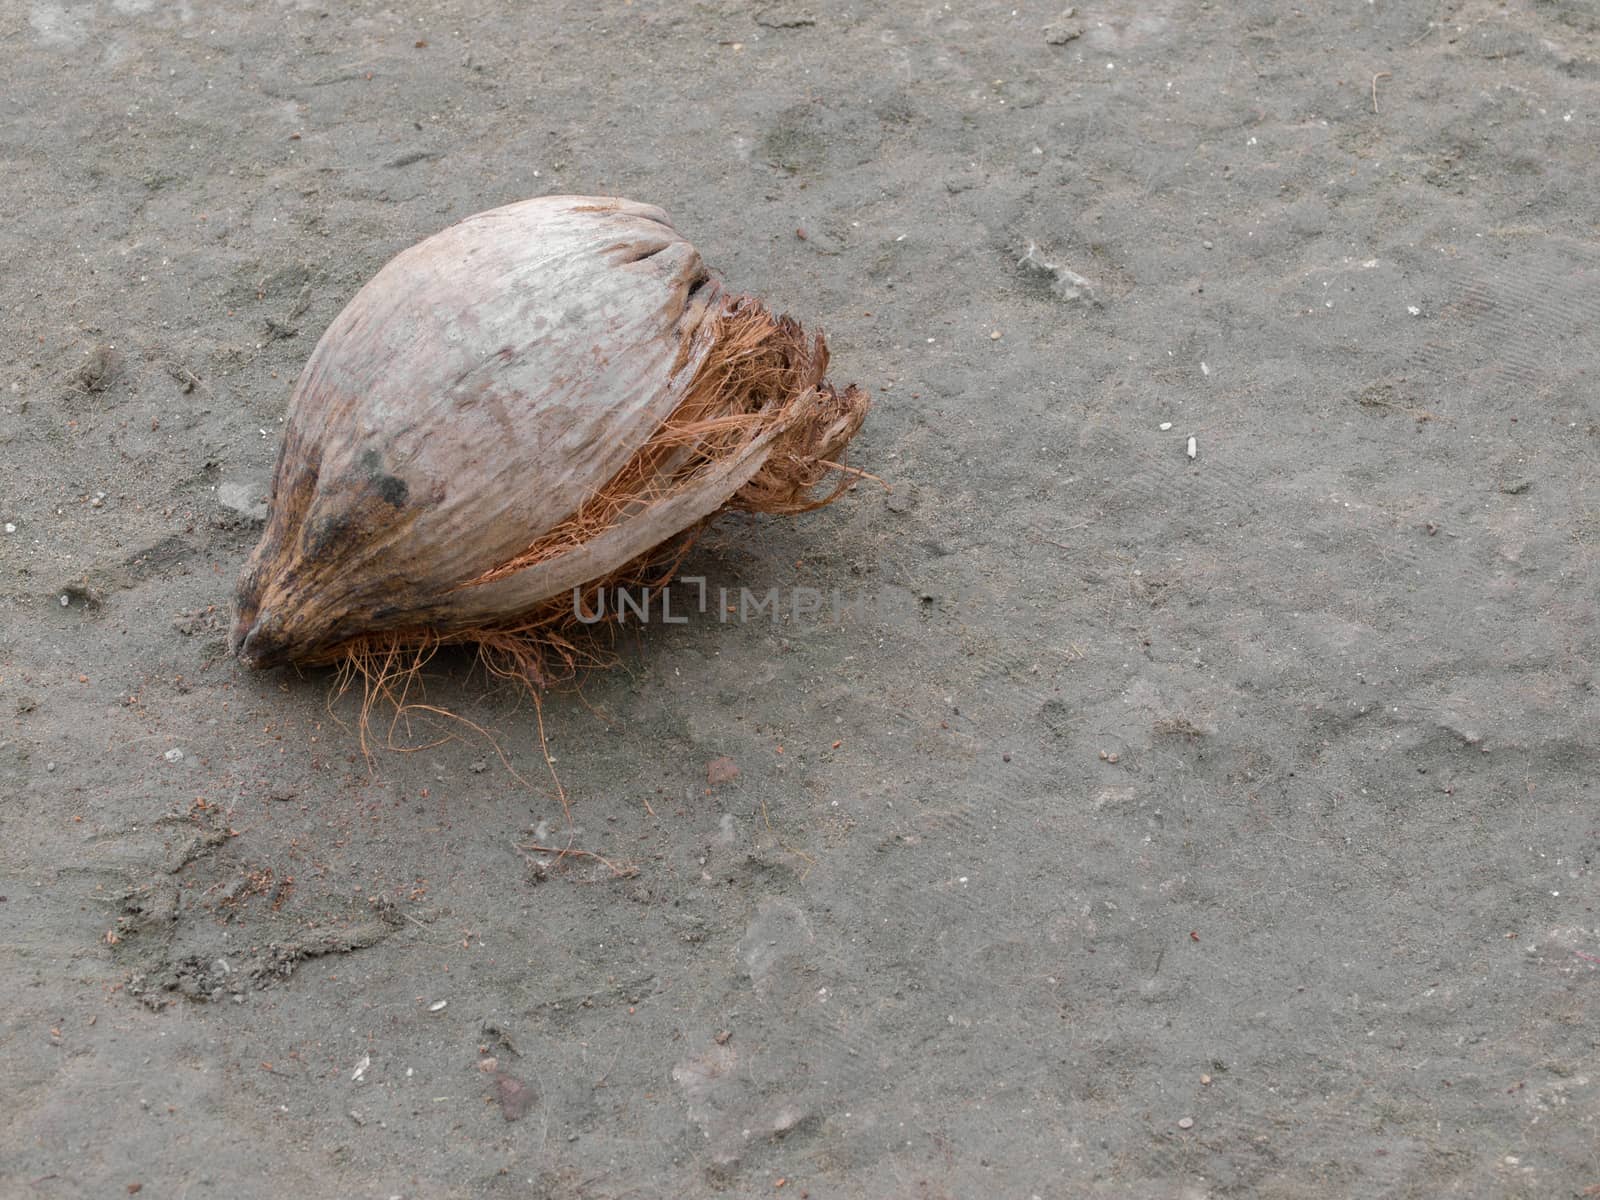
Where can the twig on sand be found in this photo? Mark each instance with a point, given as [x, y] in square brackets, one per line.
[1061, 545]
[1375, 78]
[856, 471]
[563, 852]
[550, 763]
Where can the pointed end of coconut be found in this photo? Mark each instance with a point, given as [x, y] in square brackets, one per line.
[252, 643]
[243, 641]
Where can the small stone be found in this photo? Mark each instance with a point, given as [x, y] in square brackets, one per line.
[995, 336]
[49, 766]
[66, 600]
[516, 1096]
[10, 527]
[1206, 244]
[245, 499]
[1059, 33]
[1205, 1081]
[100, 370]
[784, 16]
[1185, 1122]
[438, 1006]
[173, 755]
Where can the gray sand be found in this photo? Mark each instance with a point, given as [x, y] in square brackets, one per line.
[1148, 826]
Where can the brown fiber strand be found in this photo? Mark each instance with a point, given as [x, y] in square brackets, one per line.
[389, 672]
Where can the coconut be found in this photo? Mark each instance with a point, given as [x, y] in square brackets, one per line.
[537, 402]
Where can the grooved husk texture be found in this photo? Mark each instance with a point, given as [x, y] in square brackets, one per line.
[541, 400]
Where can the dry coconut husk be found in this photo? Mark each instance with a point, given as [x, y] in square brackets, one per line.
[541, 400]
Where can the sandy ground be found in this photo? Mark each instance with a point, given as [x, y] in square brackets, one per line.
[1151, 825]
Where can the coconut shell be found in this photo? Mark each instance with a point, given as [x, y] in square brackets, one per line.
[535, 399]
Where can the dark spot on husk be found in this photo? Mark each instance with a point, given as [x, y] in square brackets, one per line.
[321, 536]
[391, 488]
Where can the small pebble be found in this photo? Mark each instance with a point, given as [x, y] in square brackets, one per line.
[10, 528]
[438, 1005]
[49, 766]
[1205, 1081]
[1185, 1122]
[66, 600]
[173, 755]
[1194, 447]
[1207, 245]
[995, 336]
[1164, 426]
